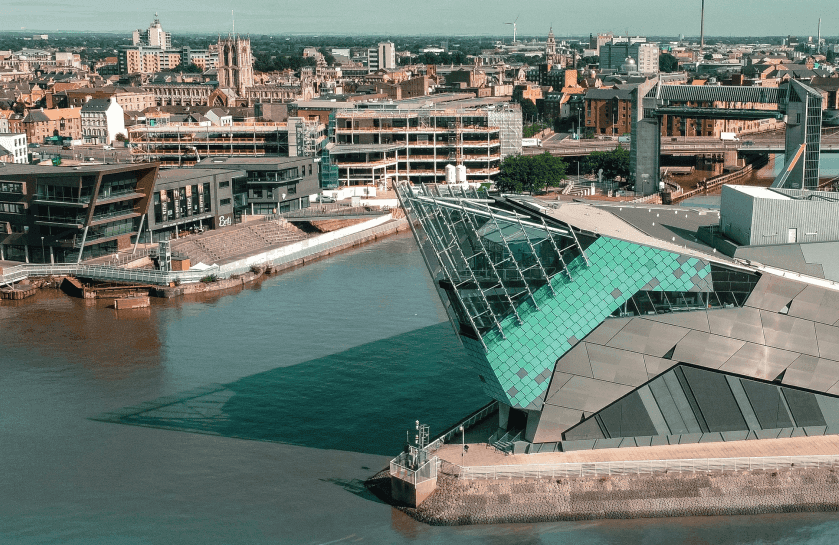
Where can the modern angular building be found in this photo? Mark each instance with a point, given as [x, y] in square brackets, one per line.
[613, 325]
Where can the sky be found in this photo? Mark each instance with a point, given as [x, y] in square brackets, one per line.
[432, 17]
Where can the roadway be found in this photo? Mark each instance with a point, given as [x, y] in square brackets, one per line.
[563, 145]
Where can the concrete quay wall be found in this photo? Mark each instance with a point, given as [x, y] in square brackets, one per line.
[462, 502]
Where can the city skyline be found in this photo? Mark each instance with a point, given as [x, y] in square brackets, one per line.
[436, 17]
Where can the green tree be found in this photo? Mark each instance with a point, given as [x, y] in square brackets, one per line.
[190, 68]
[530, 173]
[668, 63]
[708, 57]
[528, 109]
[614, 163]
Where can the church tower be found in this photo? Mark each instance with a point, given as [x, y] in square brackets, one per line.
[550, 48]
[235, 64]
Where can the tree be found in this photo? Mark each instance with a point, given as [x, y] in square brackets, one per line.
[190, 68]
[668, 63]
[327, 56]
[614, 163]
[528, 109]
[708, 57]
[530, 173]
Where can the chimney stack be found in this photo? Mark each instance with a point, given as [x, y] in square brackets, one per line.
[702, 30]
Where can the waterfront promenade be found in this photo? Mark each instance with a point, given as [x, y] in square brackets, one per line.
[483, 455]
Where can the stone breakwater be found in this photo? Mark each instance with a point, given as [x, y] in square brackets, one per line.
[461, 502]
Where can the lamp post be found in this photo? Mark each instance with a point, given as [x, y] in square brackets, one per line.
[462, 442]
[43, 254]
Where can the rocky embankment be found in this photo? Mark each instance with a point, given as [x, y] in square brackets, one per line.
[460, 502]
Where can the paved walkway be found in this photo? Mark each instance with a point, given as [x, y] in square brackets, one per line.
[481, 455]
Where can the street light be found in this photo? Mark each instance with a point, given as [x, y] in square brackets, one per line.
[43, 254]
[463, 442]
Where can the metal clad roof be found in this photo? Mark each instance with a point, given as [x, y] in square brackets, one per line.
[715, 93]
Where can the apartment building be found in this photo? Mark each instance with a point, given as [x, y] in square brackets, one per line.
[134, 99]
[608, 111]
[13, 148]
[42, 124]
[613, 55]
[381, 57]
[102, 120]
[66, 213]
[378, 146]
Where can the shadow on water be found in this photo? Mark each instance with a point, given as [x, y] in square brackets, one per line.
[361, 400]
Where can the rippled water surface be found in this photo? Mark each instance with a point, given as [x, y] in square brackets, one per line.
[254, 417]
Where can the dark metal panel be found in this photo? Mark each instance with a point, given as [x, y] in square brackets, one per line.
[743, 402]
[587, 429]
[812, 373]
[789, 333]
[682, 403]
[773, 293]
[766, 401]
[590, 395]
[734, 435]
[758, 361]
[607, 443]
[804, 407]
[553, 421]
[627, 418]
[715, 400]
[575, 362]
[648, 337]
[706, 350]
[697, 319]
[816, 304]
[653, 411]
[738, 323]
[603, 333]
[829, 407]
[828, 339]
[669, 410]
[616, 365]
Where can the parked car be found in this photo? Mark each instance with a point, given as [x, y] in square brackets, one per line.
[33, 145]
[66, 147]
[107, 147]
[326, 199]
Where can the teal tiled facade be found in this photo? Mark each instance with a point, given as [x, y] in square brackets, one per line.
[516, 367]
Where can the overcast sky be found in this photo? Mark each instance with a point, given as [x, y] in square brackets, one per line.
[448, 17]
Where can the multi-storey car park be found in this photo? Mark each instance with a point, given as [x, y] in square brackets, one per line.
[184, 144]
[612, 325]
[407, 142]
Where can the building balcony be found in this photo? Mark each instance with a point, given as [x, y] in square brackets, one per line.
[44, 199]
[65, 221]
[110, 216]
[120, 196]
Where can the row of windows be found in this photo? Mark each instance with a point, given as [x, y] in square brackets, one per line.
[11, 208]
[11, 187]
[181, 202]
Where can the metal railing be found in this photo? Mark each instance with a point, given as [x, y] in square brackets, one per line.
[645, 467]
[103, 272]
[399, 469]
[466, 423]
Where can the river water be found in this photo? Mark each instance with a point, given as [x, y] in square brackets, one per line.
[254, 417]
